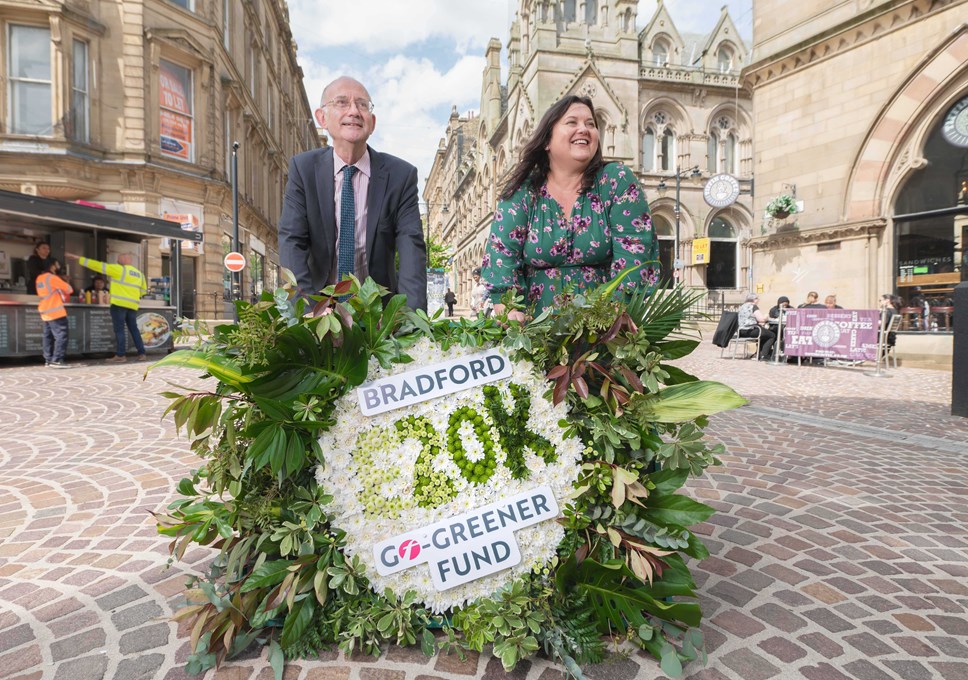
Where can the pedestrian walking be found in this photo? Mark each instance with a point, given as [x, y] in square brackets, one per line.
[53, 292]
[127, 286]
[450, 300]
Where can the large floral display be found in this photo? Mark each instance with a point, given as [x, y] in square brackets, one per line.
[372, 476]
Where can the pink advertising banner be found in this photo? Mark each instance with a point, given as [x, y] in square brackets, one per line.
[832, 333]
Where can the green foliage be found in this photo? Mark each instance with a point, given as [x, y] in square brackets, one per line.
[282, 576]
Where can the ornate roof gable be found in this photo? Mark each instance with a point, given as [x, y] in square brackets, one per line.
[588, 81]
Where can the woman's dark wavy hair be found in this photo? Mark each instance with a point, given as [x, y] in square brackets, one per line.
[534, 165]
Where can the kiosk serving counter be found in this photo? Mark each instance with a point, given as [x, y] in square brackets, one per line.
[87, 231]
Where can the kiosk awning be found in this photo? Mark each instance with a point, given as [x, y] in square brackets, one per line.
[34, 211]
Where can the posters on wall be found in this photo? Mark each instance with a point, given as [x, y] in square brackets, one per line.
[174, 85]
[189, 216]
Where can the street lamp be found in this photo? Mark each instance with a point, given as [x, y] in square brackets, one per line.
[694, 174]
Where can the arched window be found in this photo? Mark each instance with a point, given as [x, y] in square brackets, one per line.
[712, 153]
[569, 16]
[660, 53]
[648, 150]
[591, 12]
[729, 158]
[721, 270]
[724, 59]
[667, 240]
[668, 151]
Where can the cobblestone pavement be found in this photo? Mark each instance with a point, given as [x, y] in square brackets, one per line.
[839, 550]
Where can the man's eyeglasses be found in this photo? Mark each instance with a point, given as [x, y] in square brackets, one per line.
[344, 103]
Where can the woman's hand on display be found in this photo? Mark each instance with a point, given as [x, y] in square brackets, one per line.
[513, 315]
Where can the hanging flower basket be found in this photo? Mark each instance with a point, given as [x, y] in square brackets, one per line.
[782, 206]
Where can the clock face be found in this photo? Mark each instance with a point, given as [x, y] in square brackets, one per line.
[955, 127]
[721, 190]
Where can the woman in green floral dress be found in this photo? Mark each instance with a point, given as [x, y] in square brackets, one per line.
[567, 221]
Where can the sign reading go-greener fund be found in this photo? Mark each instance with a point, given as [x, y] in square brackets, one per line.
[445, 472]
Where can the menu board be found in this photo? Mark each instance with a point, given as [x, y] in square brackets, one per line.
[90, 330]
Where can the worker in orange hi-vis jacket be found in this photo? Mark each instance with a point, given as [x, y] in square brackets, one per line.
[53, 292]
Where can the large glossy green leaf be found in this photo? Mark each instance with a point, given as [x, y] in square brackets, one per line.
[676, 349]
[676, 510]
[687, 401]
[267, 575]
[219, 367]
[621, 601]
[297, 620]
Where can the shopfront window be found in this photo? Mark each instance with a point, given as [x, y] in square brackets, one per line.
[929, 249]
[721, 270]
[177, 123]
[29, 80]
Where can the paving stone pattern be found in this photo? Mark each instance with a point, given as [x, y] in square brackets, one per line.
[839, 549]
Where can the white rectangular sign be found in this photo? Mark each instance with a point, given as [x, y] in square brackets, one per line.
[432, 381]
[470, 546]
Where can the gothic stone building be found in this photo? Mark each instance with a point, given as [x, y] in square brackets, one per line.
[135, 105]
[668, 102]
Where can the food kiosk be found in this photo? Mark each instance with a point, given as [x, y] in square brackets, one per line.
[89, 231]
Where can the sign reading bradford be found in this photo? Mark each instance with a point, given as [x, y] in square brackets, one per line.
[432, 382]
[468, 546]
[833, 333]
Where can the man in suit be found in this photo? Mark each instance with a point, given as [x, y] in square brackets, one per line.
[376, 212]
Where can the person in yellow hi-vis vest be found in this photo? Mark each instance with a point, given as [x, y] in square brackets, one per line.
[127, 286]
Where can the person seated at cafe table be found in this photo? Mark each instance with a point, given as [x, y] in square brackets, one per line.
[888, 306]
[830, 302]
[811, 302]
[754, 324]
[782, 303]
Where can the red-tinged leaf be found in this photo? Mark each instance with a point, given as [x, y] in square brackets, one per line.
[612, 332]
[579, 368]
[601, 369]
[557, 372]
[621, 395]
[320, 307]
[632, 378]
[630, 323]
[581, 553]
[581, 387]
[345, 315]
[561, 389]
[343, 287]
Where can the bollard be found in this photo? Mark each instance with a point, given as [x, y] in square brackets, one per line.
[959, 359]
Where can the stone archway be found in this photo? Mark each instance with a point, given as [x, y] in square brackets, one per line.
[892, 147]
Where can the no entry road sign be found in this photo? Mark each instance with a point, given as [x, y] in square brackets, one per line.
[234, 262]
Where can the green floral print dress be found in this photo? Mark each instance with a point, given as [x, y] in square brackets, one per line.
[533, 248]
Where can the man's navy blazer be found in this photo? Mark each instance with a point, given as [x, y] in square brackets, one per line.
[307, 228]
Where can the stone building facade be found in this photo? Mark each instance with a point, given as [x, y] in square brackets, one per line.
[862, 107]
[135, 105]
[668, 102]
